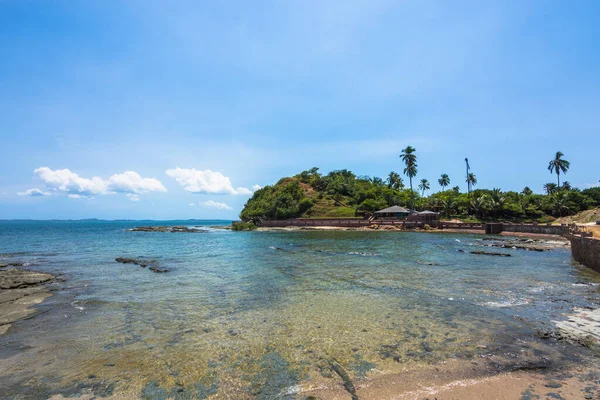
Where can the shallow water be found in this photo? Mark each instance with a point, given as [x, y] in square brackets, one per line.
[267, 314]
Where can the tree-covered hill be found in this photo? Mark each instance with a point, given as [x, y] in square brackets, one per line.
[341, 193]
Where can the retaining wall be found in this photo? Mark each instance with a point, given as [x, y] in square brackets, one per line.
[535, 228]
[585, 250]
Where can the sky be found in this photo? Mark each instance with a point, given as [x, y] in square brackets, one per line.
[141, 109]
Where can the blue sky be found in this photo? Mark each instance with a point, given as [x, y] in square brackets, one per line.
[179, 109]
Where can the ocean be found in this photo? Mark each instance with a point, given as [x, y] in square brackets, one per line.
[275, 314]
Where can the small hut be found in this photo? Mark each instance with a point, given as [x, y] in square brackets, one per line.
[394, 212]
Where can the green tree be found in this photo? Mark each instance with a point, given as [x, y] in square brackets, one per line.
[527, 191]
[410, 170]
[566, 186]
[471, 181]
[444, 181]
[394, 181]
[423, 186]
[558, 165]
[560, 203]
[550, 188]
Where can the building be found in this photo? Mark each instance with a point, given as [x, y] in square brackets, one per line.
[394, 212]
[425, 216]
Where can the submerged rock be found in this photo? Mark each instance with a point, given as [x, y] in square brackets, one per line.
[486, 253]
[153, 264]
[12, 264]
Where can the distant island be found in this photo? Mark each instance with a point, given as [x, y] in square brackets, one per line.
[342, 194]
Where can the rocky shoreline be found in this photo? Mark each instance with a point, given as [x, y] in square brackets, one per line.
[19, 290]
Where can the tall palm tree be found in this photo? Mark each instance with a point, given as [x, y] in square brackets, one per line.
[394, 181]
[444, 181]
[550, 188]
[423, 186]
[558, 165]
[410, 170]
[471, 180]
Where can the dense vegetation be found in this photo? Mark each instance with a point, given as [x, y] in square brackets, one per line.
[343, 194]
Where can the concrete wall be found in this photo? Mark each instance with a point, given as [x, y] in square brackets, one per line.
[585, 250]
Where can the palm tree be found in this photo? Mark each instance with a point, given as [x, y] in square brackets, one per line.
[567, 186]
[410, 161]
[450, 207]
[496, 201]
[377, 181]
[444, 181]
[394, 181]
[471, 181]
[559, 203]
[479, 205]
[527, 191]
[558, 165]
[550, 188]
[423, 186]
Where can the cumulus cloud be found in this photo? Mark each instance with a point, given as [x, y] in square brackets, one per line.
[33, 193]
[206, 181]
[256, 187]
[133, 197]
[214, 204]
[75, 186]
[131, 182]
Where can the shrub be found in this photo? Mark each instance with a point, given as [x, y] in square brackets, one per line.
[243, 226]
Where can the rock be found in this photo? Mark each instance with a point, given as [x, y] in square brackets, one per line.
[153, 264]
[137, 261]
[553, 385]
[20, 290]
[158, 270]
[16, 278]
[13, 264]
[172, 229]
[491, 254]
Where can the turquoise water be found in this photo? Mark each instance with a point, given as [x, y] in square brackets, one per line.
[265, 314]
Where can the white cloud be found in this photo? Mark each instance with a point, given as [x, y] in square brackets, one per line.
[75, 186]
[215, 204]
[206, 181]
[131, 182]
[69, 182]
[256, 187]
[33, 193]
[593, 185]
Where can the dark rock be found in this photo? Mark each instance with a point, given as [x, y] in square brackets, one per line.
[18, 278]
[553, 385]
[173, 229]
[486, 253]
[158, 270]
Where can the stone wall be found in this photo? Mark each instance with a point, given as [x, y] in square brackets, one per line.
[341, 222]
[585, 250]
[536, 228]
